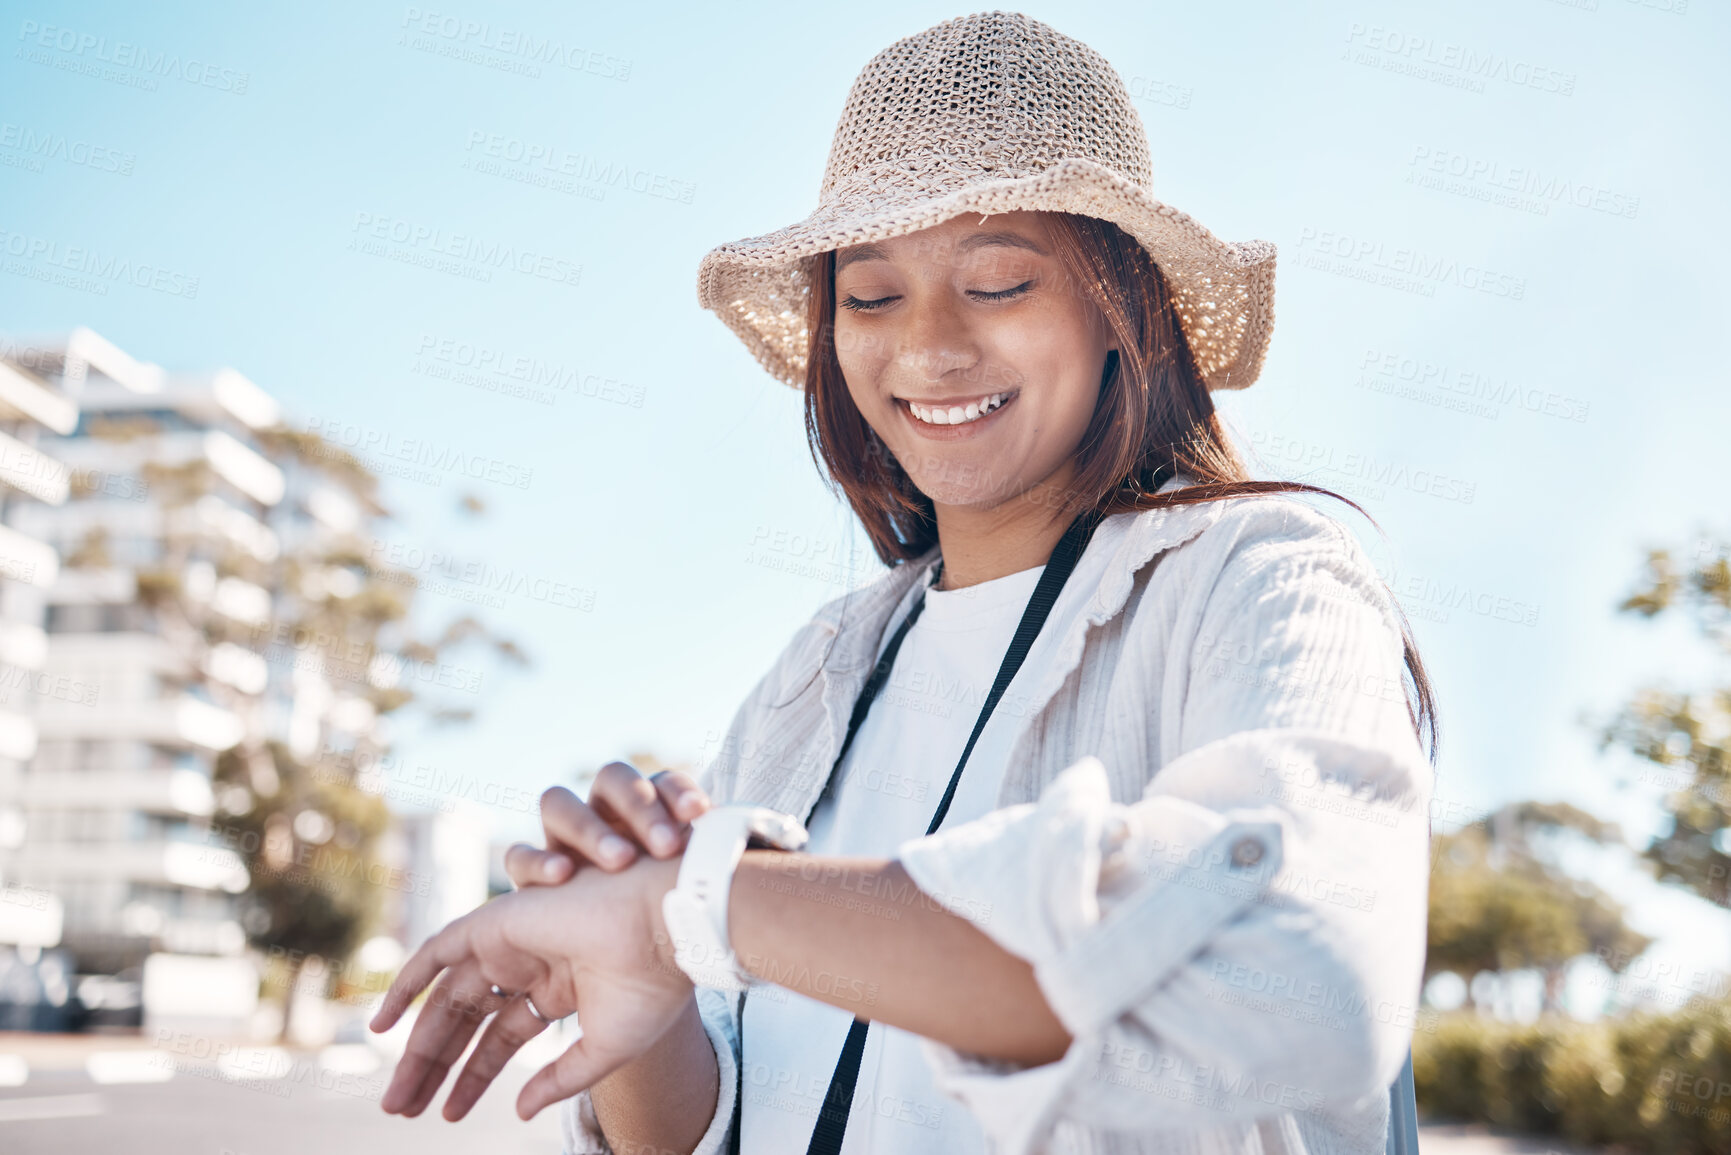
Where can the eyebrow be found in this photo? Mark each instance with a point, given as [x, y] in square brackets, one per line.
[966, 245]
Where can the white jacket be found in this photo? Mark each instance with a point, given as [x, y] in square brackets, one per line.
[1212, 842]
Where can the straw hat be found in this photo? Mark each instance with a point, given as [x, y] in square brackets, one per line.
[992, 113]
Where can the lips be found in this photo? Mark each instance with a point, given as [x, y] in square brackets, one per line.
[926, 423]
[957, 411]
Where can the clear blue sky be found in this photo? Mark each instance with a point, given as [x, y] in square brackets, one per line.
[300, 132]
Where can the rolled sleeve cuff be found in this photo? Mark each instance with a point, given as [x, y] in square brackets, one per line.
[1105, 908]
[582, 1130]
[1066, 884]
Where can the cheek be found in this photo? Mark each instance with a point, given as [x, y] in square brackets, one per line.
[856, 354]
[1063, 357]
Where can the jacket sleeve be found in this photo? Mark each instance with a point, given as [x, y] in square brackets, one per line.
[1245, 940]
[581, 1130]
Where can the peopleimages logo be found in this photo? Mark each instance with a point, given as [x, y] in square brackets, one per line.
[80, 50]
[382, 446]
[39, 146]
[462, 253]
[1363, 466]
[1542, 187]
[504, 48]
[1408, 268]
[1425, 57]
[580, 167]
[95, 270]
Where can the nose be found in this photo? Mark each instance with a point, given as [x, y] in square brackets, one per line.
[935, 341]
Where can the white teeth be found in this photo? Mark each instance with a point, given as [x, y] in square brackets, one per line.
[957, 414]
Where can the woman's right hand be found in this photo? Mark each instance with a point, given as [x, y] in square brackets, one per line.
[625, 813]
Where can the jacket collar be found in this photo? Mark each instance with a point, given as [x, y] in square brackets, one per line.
[856, 621]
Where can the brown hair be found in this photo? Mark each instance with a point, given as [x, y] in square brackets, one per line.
[1154, 418]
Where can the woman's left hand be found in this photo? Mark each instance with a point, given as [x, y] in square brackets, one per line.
[594, 946]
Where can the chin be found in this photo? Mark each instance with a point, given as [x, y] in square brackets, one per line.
[965, 485]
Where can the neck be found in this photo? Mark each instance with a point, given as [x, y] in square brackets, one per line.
[982, 544]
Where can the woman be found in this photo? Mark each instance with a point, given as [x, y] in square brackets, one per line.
[1171, 896]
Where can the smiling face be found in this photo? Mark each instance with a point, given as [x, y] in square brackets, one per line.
[968, 351]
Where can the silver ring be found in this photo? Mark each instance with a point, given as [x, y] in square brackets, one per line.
[530, 1003]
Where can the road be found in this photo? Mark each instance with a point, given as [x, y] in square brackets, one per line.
[103, 1096]
[142, 1100]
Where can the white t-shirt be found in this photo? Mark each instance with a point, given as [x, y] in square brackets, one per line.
[890, 785]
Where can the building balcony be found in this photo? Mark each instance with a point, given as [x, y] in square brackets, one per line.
[26, 397]
[29, 470]
[215, 517]
[177, 791]
[184, 721]
[73, 357]
[18, 736]
[22, 644]
[118, 651]
[197, 866]
[229, 458]
[24, 559]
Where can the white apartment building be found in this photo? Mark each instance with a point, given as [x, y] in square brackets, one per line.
[159, 534]
[30, 404]
[159, 628]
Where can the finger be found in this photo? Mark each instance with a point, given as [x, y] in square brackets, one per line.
[439, 1064]
[528, 866]
[444, 949]
[620, 793]
[512, 1027]
[453, 1012]
[580, 1067]
[575, 827]
[680, 794]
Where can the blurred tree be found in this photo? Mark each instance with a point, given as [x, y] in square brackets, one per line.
[317, 887]
[1686, 736]
[1499, 901]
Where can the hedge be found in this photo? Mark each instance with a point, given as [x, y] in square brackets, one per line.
[1658, 1083]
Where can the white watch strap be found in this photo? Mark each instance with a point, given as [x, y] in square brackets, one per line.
[695, 910]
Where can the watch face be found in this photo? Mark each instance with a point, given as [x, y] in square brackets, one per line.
[784, 833]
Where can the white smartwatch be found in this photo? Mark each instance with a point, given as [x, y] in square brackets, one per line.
[695, 910]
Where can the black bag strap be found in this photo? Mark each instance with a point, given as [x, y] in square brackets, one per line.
[838, 1100]
[831, 1125]
[869, 692]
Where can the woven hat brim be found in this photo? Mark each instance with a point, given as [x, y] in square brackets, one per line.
[1223, 291]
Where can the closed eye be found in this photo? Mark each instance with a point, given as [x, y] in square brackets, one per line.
[1001, 294]
[856, 305]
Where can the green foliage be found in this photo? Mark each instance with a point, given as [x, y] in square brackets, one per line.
[1650, 1083]
[1686, 736]
[311, 449]
[317, 886]
[1498, 902]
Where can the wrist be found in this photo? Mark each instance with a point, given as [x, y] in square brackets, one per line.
[695, 909]
[657, 876]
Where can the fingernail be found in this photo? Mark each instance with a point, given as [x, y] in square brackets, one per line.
[615, 848]
[693, 803]
[555, 867]
[661, 838]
